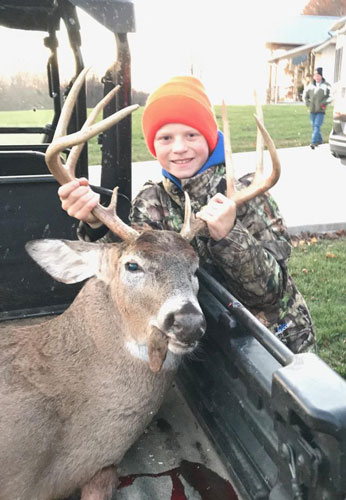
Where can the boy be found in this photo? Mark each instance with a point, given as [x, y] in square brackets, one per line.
[246, 248]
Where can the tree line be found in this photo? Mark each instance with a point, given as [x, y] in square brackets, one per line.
[325, 8]
[24, 91]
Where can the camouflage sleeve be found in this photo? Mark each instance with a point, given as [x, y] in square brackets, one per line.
[147, 207]
[253, 256]
[101, 234]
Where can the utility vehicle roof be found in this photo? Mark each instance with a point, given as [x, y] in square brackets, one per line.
[38, 15]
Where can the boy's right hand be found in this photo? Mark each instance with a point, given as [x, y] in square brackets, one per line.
[78, 200]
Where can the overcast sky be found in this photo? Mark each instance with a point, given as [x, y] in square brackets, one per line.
[223, 39]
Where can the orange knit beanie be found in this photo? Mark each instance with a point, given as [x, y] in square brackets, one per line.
[180, 100]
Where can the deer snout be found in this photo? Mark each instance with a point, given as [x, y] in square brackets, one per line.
[183, 323]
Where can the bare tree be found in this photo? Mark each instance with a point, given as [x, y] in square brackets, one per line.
[325, 8]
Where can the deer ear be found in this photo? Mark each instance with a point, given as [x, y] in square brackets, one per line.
[67, 261]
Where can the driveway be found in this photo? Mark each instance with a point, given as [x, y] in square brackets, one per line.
[310, 192]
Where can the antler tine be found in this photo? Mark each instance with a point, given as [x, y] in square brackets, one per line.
[67, 109]
[259, 140]
[191, 225]
[53, 159]
[230, 174]
[76, 150]
[260, 186]
[60, 142]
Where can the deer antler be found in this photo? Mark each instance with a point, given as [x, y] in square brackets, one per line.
[61, 141]
[259, 184]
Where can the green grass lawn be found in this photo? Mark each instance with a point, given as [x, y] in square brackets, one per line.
[289, 126]
[318, 268]
[319, 272]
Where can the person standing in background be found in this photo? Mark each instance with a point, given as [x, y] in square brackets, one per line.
[317, 96]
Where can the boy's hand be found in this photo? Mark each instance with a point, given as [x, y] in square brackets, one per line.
[219, 215]
[78, 199]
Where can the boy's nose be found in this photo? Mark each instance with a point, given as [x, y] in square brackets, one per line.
[179, 145]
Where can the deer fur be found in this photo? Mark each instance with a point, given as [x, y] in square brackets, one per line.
[78, 390]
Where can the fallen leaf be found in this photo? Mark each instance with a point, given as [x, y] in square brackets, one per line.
[313, 240]
[330, 255]
[304, 270]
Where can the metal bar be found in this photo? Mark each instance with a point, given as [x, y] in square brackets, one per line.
[22, 152]
[79, 115]
[23, 130]
[53, 76]
[273, 345]
[116, 141]
[26, 179]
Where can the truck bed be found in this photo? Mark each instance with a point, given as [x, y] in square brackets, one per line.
[174, 460]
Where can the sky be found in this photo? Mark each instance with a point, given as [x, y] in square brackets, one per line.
[223, 40]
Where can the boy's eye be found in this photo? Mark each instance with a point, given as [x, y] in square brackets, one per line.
[163, 138]
[193, 135]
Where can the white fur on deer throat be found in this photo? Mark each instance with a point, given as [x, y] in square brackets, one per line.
[140, 351]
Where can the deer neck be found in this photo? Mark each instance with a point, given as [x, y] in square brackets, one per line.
[140, 351]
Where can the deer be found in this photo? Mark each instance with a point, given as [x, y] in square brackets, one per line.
[78, 390]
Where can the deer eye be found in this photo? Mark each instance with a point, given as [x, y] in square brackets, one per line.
[132, 266]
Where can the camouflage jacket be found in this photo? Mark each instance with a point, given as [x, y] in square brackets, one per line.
[251, 261]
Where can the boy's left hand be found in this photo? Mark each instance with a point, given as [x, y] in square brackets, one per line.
[219, 214]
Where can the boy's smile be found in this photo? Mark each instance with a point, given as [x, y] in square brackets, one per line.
[180, 149]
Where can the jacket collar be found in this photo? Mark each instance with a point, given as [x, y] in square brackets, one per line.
[201, 187]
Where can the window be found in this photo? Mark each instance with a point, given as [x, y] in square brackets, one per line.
[338, 64]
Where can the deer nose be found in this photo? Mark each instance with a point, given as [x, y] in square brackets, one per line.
[187, 324]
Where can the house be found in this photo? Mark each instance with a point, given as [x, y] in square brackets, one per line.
[339, 28]
[337, 137]
[296, 47]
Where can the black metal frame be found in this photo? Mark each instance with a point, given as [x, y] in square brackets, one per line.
[24, 176]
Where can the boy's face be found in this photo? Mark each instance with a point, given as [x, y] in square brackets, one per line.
[180, 149]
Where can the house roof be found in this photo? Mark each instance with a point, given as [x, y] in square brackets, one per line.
[324, 45]
[301, 30]
[339, 24]
[297, 51]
